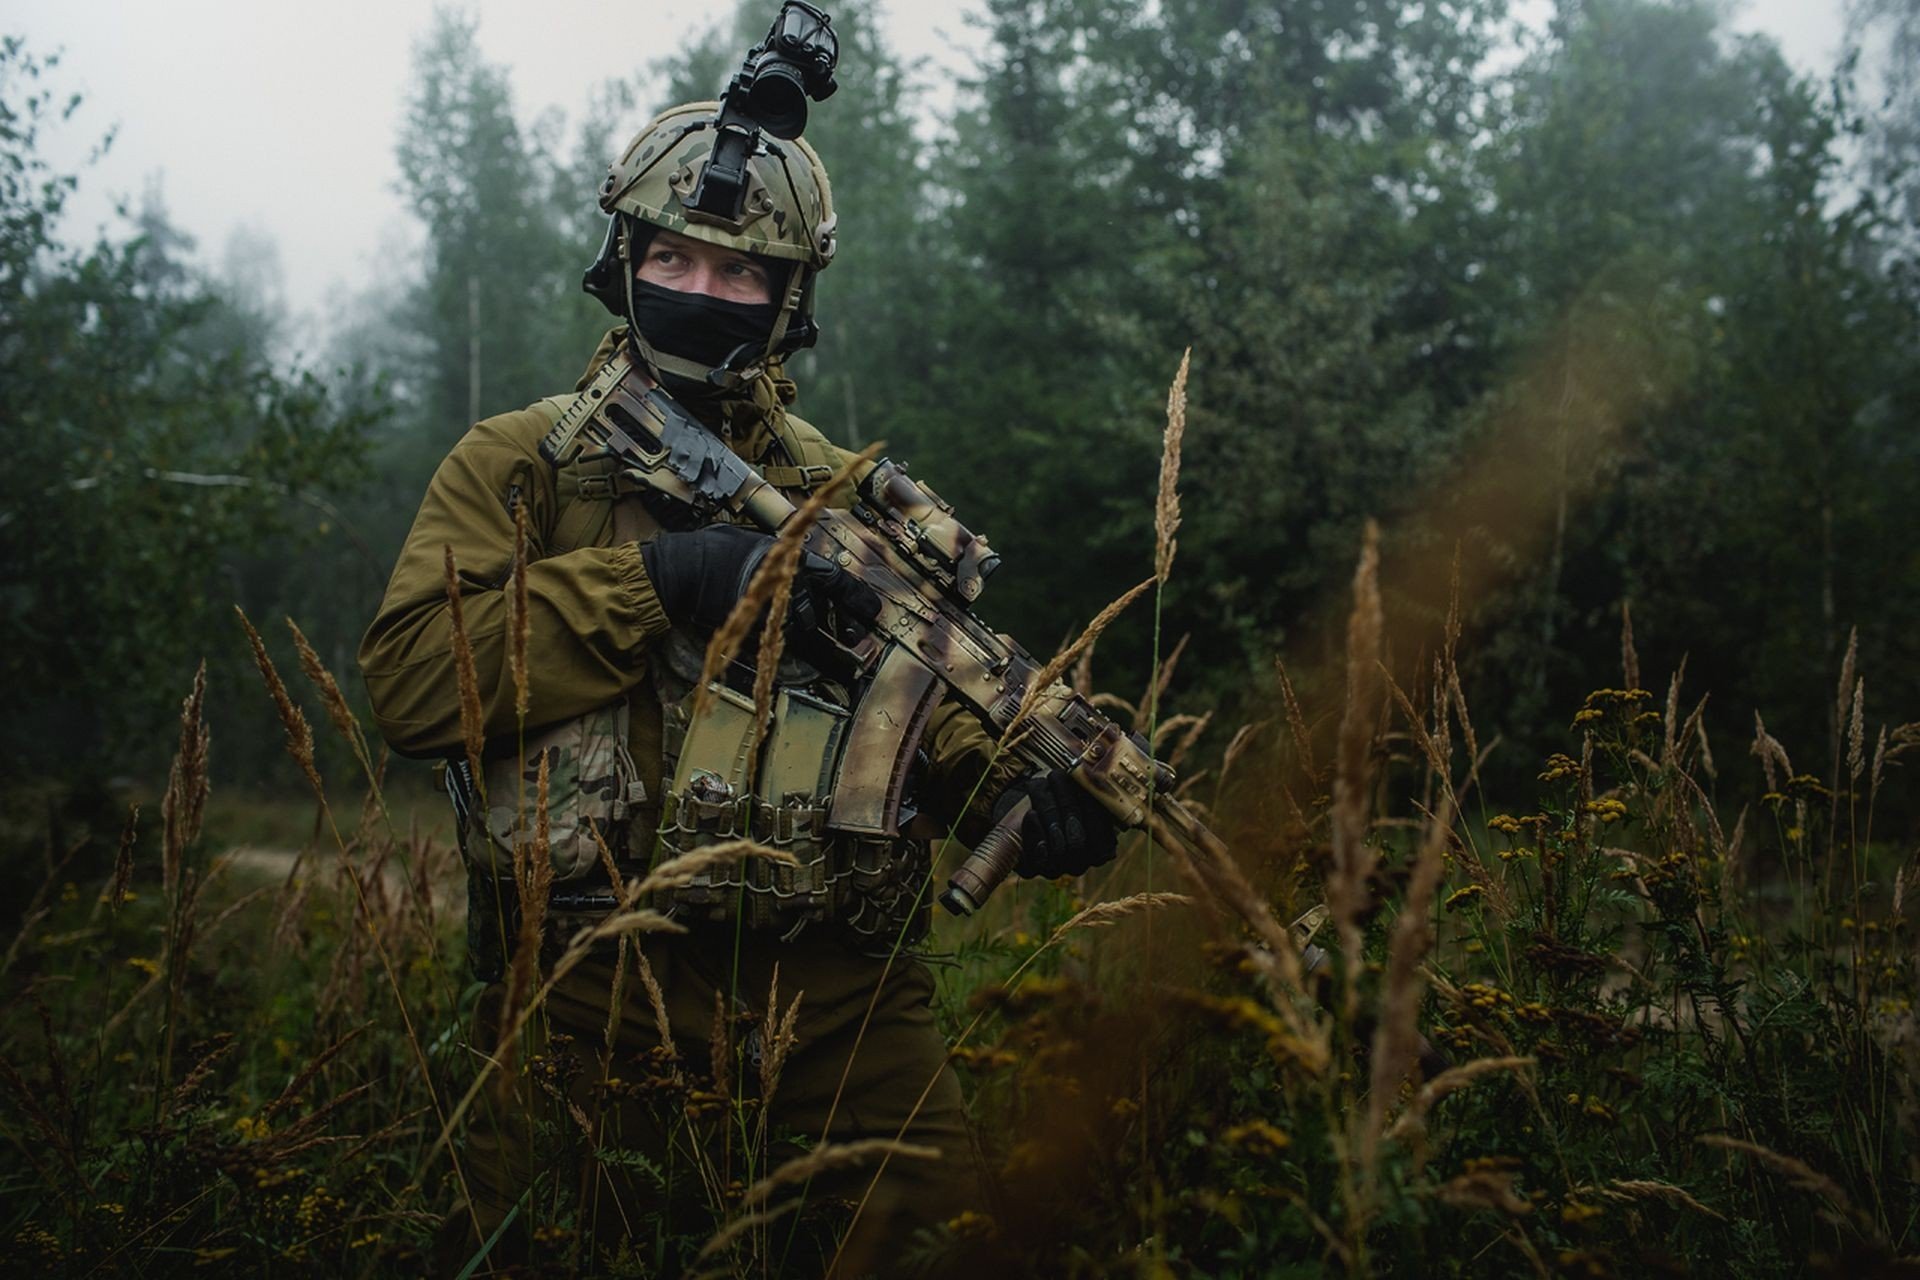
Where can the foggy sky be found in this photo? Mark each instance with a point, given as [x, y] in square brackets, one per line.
[273, 126]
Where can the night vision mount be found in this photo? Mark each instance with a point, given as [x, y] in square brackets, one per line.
[768, 94]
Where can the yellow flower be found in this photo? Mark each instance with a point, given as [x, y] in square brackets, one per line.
[1560, 766]
[969, 1225]
[146, 965]
[1460, 897]
[1257, 1137]
[1607, 809]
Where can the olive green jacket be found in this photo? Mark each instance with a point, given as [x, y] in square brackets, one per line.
[591, 609]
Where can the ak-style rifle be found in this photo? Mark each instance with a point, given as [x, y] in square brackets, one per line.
[926, 645]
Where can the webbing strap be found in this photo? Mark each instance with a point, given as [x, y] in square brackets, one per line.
[807, 477]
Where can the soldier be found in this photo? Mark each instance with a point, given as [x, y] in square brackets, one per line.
[622, 594]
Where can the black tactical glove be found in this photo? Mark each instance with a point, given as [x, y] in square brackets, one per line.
[1066, 832]
[700, 575]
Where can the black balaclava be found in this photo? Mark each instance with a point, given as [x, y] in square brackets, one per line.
[701, 328]
[694, 326]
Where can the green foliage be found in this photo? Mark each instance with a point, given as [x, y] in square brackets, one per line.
[152, 449]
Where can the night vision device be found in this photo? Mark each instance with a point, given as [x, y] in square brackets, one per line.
[793, 63]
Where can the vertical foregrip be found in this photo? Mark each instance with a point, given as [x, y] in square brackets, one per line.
[991, 862]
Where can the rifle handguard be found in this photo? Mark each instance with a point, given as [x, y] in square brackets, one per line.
[990, 863]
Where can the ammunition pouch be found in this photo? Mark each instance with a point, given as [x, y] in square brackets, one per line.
[592, 795]
[725, 782]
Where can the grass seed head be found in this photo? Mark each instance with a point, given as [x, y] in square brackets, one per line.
[1166, 505]
[473, 719]
[519, 623]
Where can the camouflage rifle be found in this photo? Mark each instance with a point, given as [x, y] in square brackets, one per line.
[928, 569]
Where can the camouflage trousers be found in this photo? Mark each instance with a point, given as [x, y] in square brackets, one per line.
[638, 1154]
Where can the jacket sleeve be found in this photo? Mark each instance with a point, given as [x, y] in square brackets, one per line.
[589, 610]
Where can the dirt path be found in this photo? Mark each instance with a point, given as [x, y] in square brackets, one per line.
[259, 863]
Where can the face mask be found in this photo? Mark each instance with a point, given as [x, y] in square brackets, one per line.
[696, 327]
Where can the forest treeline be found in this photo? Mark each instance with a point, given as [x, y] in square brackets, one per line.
[1617, 311]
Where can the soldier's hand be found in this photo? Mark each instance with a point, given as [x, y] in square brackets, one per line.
[701, 574]
[1066, 832]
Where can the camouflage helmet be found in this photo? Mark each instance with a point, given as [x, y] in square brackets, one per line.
[788, 215]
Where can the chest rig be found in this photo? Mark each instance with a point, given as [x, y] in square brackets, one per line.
[716, 785]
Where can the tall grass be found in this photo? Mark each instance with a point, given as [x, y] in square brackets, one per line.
[1683, 1039]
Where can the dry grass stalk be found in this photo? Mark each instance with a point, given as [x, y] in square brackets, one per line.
[1396, 1040]
[297, 1086]
[1669, 723]
[608, 865]
[1452, 1080]
[1296, 720]
[1491, 886]
[1483, 1189]
[1628, 1189]
[473, 719]
[1149, 709]
[338, 712]
[773, 633]
[1732, 869]
[720, 1047]
[616, 1005]
[1629, 656]
[606, 929]
[1437, 756]
[774, 578]
[123, 861]
[577, 951]
[1205, 861]
[829, 1156]
[1774, 763]
[1706, 751]
[1109, 913]
[299, 733]
[1691, 730]
[518, 622]
[1847, 664]
[1879, 764]
[1798, 1174]
[679, 871]
[183, 807]
[1442, 722]
[1352, 857]
[1236, 746]
[1857, 731]
[1459, 697]
[657, 999]
[533, 879]
[1176, 724]
[777, 1040]
[1049, 674]
[1081, 678]
[1166, 503]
